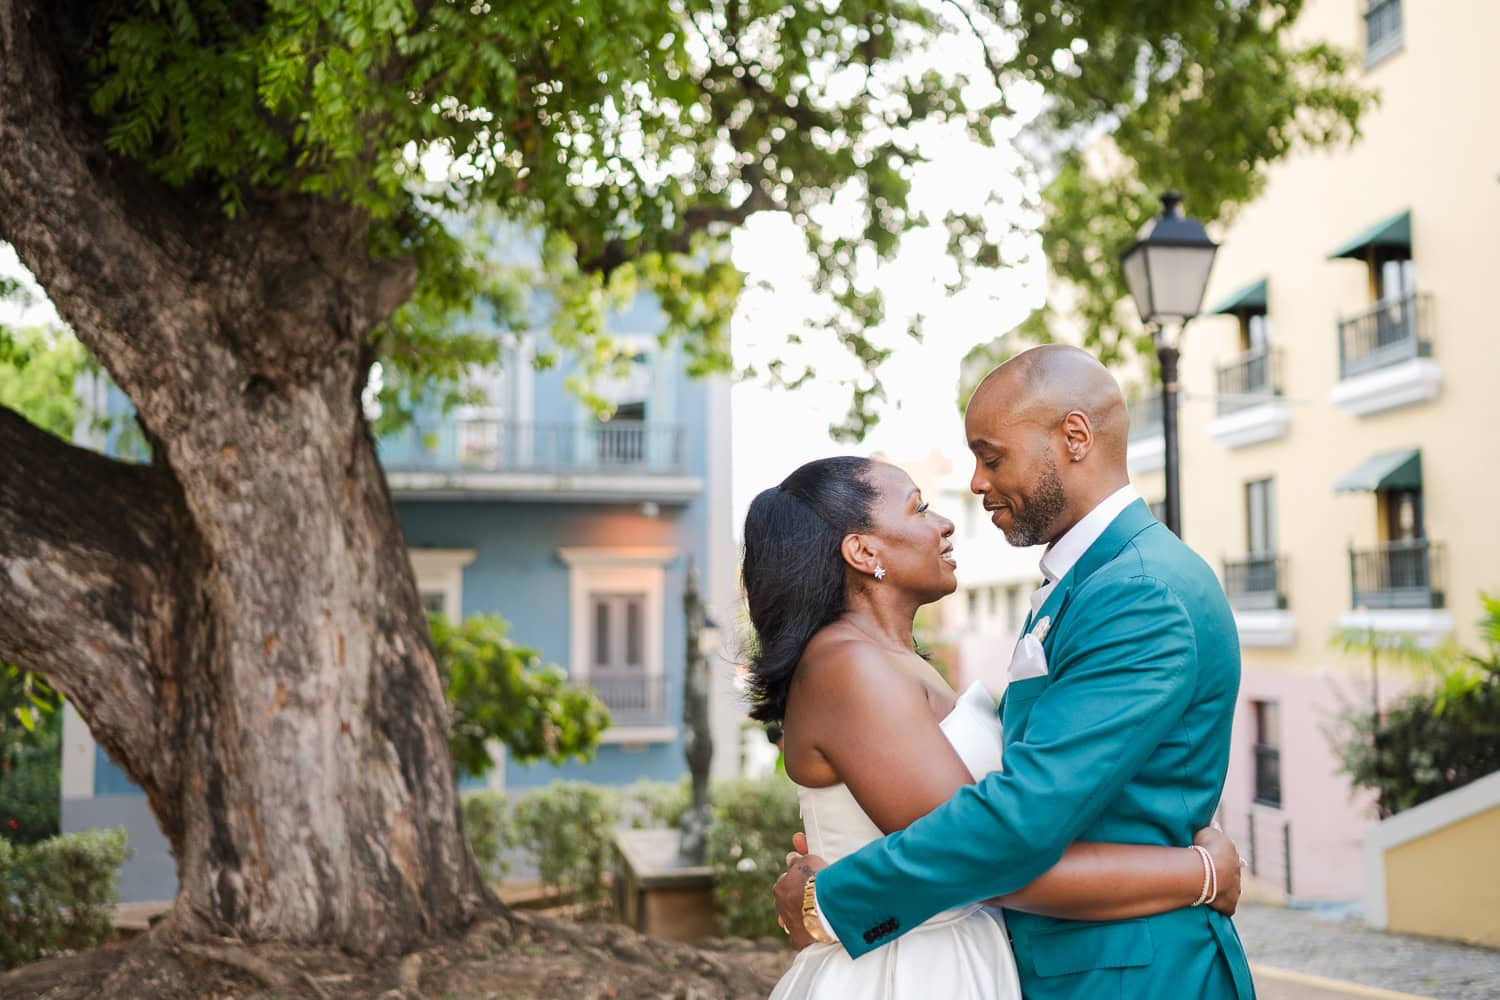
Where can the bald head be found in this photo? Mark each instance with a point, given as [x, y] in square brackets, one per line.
[1043, 385]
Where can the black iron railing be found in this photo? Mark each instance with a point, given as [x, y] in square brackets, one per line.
[1255, 582]
[1398, 575]
[1386, 334]
[1249, 380]
[633, 699]
[1264, 838]
[484, 445]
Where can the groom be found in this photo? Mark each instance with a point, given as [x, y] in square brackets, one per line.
[1116, 720]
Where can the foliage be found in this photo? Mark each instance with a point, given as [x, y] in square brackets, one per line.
[498, 690]
[25, 698]
[752, 830]
[1205, 109]
[487, 827]
[59, 895]
[37, 368]
[656, 803]
[565, 829]
[1435, 739]
[633, 135]
[31, 780]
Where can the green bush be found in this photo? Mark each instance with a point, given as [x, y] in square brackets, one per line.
[1434, 740]
[31, 781]
[656, 803]
[487, 826]
[752, 830]
[58, 895]
[565, 829]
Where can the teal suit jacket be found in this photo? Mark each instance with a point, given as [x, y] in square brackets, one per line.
[1127, 740]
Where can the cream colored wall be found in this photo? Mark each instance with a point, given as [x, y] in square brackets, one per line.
[1435, 887]
[1430, 147]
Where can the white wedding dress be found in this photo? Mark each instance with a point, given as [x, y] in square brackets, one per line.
[961, 954]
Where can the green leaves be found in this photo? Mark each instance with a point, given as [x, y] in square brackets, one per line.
[498, 690]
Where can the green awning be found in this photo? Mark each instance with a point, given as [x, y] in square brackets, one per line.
[1252, 298]
[1393, 470]
[1393, 232]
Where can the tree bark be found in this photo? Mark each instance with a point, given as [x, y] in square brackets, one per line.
[238, 622]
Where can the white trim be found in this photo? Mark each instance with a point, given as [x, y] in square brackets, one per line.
[1263, 422]
[442, 570]
[1428, 627]
[632, 569]
[1147, 454]
[78, 755]
[1456, 806]
[546, 486]
[1416, 381]
[1266, 629]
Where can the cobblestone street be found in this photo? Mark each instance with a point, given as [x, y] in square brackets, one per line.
[1304, 942]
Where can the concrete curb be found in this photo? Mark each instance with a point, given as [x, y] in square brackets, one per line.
[1338, 987]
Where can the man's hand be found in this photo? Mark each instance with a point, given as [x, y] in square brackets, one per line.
[789, 890]
[1227, 864]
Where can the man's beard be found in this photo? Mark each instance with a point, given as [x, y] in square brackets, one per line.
[1032, 524]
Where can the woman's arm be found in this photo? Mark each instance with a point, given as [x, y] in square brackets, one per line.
[874, 728]
[1120, 881]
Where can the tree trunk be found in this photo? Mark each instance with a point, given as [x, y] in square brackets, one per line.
[238, 622]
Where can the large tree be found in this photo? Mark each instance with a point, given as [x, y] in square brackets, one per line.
[223, 199]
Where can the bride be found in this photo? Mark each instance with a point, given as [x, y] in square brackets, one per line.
[838, 558]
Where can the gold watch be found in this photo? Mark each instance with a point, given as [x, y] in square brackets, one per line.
[810, 919]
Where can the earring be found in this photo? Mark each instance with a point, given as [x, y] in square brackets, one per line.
[879, 572]
[1076, 456]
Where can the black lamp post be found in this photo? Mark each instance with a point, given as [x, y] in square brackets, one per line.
[1166, 269]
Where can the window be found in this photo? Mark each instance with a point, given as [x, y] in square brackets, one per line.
[972, 595]
[1255, 331]
[618, 621]
[440, 579]
[1383, 30]
[994, 611]
[1403, 514]
[618, 616]
[1267, 752]
[1260, 517]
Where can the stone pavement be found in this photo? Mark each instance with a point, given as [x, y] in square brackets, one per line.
[1298, 952]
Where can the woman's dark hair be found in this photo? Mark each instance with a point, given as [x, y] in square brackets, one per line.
[793, 570]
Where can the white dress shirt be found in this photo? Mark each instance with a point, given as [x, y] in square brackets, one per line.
[1063, 554]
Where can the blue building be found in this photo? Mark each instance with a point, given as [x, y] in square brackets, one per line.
[578, 531]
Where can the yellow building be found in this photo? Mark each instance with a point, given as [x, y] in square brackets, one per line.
[1340, 451]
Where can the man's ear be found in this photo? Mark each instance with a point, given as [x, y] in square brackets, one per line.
[859, 554]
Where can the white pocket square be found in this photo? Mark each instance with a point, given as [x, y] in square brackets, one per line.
[1030, 660]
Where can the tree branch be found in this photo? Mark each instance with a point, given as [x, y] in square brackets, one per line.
[89, 550]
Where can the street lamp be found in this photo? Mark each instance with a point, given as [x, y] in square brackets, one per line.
[1166, 269]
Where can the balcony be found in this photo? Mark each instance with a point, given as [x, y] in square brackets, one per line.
[1384, 30]
[1249, 403]
[1256, 588]
[478, 455]
[1398, 575]
[1253, 583]
[1385, 357]
[1146, 448]
[637, 705]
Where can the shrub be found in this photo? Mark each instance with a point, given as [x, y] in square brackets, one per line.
[59, 894]
[31, 782]
[487, 827]
[656, 803]
[565, 829]
[752, 830]
[1431, 741]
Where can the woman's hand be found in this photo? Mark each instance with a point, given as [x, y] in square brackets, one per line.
[1227, 866]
